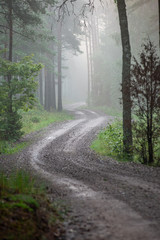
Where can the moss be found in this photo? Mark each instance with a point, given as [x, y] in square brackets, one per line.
[26, 213]
[25, 198]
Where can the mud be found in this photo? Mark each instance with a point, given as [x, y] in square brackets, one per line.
[108, 200]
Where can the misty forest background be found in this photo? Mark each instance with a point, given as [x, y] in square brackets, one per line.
[74, 52]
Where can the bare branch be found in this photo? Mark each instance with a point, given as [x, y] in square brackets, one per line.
[63, 8]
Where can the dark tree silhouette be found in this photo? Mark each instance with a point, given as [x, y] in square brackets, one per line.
[159, 19]
[126, 98]
[145, 92]
[60, 66]
[127, 127]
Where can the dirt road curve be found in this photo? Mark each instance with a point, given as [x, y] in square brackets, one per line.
[108, 200]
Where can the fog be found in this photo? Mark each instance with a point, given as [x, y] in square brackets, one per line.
[75, 81]
[80, 46]
[79, 119]
[107, 57]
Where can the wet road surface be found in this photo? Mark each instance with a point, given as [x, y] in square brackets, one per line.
[107, 200]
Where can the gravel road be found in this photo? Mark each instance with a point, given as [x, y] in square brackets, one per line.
[107, 200]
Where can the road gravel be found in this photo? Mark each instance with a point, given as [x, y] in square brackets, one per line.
[107, 200]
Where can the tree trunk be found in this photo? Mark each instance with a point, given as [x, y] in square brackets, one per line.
[150, 112]
[47, 90]
[150, 148]
[60, 66]
[159, 20]
[5, 44]
[91, 64]
[40, 88]
[51, 91]
[127, 126]
[88, 67]
[10, 21]
[43, 86]
[149, 136]
[53, 86]
[10, 31]
[53, 96]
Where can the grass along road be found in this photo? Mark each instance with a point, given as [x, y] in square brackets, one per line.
[108, 200]
[32, 121]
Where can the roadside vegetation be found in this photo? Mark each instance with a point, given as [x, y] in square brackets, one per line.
[38, 118]
[115, 112]
[32, 120]
[25, 211]
[145, 90]
[111, 111]
[110, 143]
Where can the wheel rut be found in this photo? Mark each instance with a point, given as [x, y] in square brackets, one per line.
[107, 199]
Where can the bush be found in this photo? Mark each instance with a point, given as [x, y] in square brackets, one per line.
[17, 89]
[145, 93]
[110, 140]
[10, 126]
[35, 119]
[110, 143]
[11, 147]
[113, 136]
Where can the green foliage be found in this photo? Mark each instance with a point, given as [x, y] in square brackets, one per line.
[10, 206]
[11, 147]
[32, 120]
[145, 93]
[140, 144]
[25, 13]
[21, 84]
[36, 119]
[109, 111]
[25, 210]
[19, 182]
[17, 91]
[22, 184]
[110, 141]
[26, 199]
[10, 125]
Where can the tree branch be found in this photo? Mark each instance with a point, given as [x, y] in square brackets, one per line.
[21, 34]
[63, 8]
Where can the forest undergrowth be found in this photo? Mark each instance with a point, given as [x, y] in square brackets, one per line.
[110, 111]
[32, 121]
[25, 210]
[110, 143]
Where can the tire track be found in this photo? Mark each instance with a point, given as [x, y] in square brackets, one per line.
[96, 214]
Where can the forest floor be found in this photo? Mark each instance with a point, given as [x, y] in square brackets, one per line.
[106, 199]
